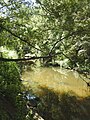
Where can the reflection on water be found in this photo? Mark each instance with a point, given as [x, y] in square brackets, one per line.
[56, 79]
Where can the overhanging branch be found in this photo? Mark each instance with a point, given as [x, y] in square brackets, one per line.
[20, 38]
[22, 59]
[32, 58]
[68, 35]
[60, 41]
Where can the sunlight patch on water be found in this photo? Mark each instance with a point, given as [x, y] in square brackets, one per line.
[56, 79]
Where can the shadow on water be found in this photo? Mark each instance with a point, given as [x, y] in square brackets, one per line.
[63, 95]
[63, 106]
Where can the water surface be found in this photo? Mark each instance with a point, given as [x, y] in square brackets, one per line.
[56, 79]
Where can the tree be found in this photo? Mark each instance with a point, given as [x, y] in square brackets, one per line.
[68, 23]
[51, 27]
[52, 30]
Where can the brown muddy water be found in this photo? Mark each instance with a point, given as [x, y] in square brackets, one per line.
[57, 79]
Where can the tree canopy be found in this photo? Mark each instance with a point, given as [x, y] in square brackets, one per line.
[45, 28]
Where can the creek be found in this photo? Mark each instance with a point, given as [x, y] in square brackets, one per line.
[55, 78]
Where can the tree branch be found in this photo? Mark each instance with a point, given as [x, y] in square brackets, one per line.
[20, 38]
[31, 58]
[22, 59]
[69, 35]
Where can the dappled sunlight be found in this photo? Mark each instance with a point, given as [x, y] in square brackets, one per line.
[8, 53]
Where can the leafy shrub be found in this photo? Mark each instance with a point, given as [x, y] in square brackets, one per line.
[10, 89]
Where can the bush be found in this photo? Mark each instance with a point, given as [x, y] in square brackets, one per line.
[10, 88]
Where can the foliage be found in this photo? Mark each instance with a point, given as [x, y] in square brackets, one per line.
[58, 28]
[10, 88]
[69, 29]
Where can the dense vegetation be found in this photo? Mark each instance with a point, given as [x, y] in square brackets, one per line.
[57, 32]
